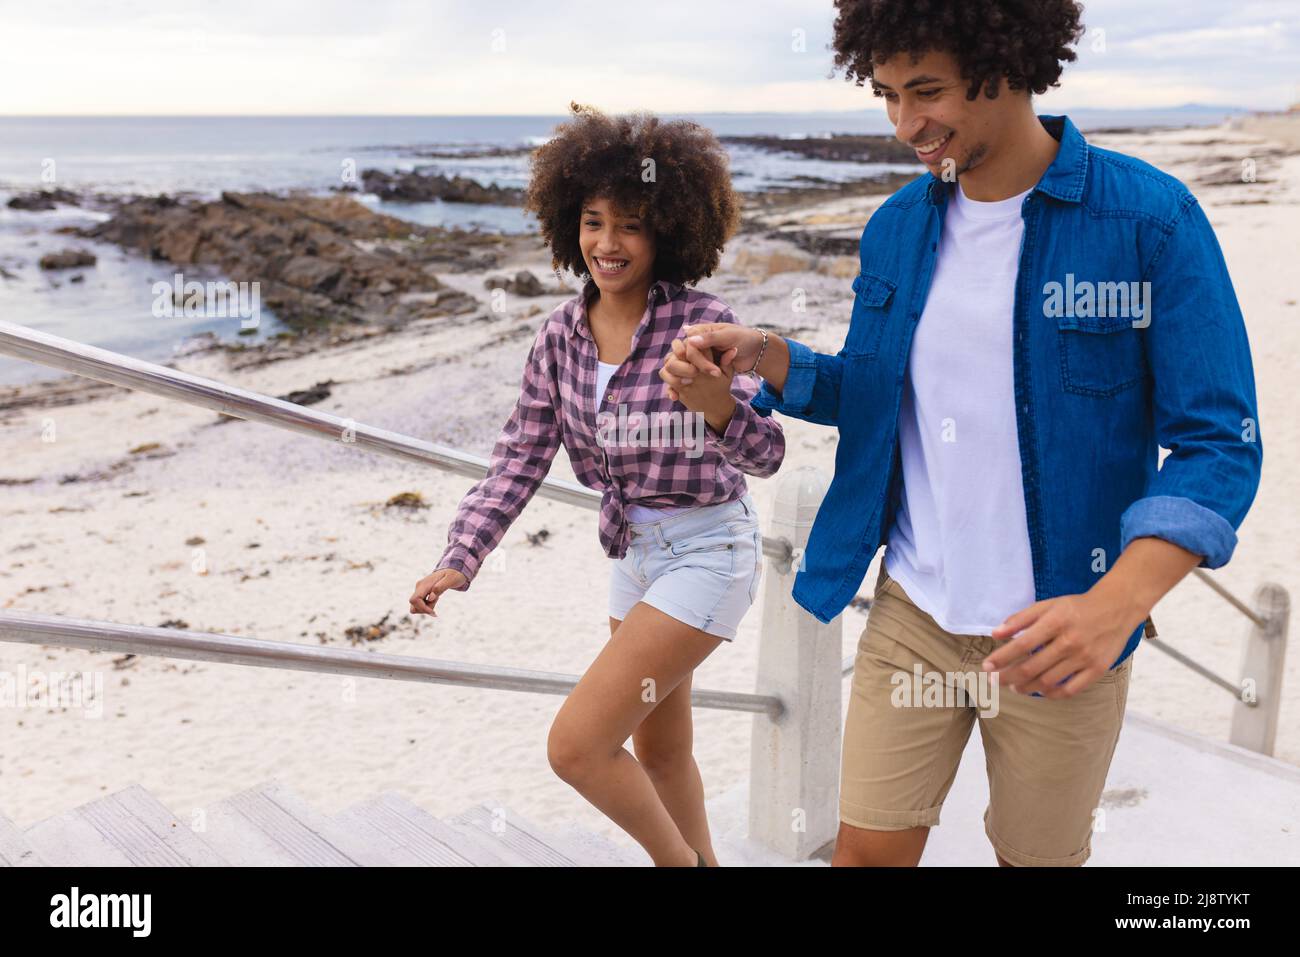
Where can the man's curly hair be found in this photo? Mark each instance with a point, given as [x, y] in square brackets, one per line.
[1024, 42]
[688, 203]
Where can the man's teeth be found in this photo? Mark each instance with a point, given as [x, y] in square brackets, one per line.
[611, 265]
[933, 145]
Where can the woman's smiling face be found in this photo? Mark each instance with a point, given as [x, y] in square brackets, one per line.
[617, 248]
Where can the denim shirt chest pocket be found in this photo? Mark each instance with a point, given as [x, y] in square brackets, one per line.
[873, 295]
[1100, 355]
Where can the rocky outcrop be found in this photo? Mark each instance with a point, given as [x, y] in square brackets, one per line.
[844, 148]
[42, 200]
[424, 187]
[318, 260]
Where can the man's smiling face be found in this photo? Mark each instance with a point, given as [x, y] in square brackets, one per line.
[926, 101]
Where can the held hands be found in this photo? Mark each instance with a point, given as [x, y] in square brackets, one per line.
[705, 389]
[1079, 635]
[703, 363]
[704, 348]
[688, 364]
[429, 588]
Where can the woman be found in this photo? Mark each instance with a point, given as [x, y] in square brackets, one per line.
[639, 209]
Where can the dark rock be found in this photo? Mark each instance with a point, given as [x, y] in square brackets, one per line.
[524, 284]
[67, 259]
[317, 393]
[43, 199]
[421, 187]
[316, 274]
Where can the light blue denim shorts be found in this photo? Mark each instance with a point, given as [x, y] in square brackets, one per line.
[701, 567]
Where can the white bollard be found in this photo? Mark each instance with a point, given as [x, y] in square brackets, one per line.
[1262, 671]
[795, 759]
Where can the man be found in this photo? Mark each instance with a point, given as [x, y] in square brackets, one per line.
[1033, 319]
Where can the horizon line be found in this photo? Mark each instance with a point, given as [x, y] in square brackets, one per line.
[866, 111]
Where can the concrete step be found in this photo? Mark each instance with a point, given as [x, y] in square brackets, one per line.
[270, 825]
[15, 848]
[130, 828]
[411, 837]
[513, 837]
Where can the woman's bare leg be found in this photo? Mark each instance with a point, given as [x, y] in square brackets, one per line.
[662, 743]
[646, 658]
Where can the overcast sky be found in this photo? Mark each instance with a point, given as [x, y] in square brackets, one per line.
[492, 56]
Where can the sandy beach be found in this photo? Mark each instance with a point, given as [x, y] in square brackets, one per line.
[149, 512]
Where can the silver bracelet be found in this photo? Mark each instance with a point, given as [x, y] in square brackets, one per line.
[761, 350]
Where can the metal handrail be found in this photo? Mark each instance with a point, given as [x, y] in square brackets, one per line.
[1229, 597]
[141, 376]
[112, 637]
[1204, 672]
[1236, 691]
[131, 373]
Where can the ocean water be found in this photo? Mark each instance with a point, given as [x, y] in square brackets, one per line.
[110, 305]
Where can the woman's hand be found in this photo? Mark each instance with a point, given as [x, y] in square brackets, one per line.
[701, 392]
[680, 370]
[431, 586]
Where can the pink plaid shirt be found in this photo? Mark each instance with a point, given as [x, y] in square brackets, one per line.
[675, 460]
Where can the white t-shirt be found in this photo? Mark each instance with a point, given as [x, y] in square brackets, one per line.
[960, 541]
[635, 513]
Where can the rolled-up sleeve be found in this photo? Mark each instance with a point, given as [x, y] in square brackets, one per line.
[753, 441]
[812, 387]
[1203, 398]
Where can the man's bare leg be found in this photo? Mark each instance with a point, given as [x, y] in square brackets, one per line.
[863, 847]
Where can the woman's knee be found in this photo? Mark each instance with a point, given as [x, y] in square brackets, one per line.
[570, 753]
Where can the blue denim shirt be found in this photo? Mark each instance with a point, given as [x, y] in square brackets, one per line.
[1100, 384]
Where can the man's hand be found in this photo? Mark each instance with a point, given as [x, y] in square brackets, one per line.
[729, 342]
[1073, 635]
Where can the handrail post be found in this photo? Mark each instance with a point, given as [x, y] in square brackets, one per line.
[794, 759]
[1262, 671]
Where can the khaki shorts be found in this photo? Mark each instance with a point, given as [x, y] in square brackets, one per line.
[1047, 758]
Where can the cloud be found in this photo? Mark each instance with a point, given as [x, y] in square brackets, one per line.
[512, 56]
[1223, 42]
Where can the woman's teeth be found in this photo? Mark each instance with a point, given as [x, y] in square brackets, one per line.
[611, 265]
[933, 145]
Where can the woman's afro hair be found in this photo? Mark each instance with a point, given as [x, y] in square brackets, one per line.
[1025, 42]
[674, 175]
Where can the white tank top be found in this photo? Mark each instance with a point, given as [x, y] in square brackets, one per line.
[635, 513]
